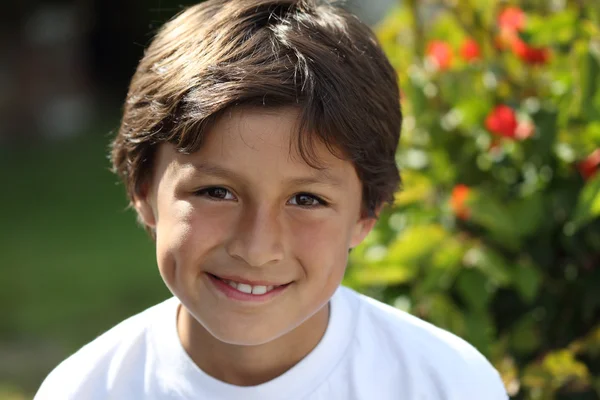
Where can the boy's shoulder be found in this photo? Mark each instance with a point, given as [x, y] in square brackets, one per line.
[431, 354]
[95, 367]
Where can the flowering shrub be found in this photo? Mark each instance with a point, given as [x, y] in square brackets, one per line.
[440, 54]
[470, 50]
[502, 121]
[496, 232]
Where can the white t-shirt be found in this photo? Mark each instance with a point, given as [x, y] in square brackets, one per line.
[369, 351]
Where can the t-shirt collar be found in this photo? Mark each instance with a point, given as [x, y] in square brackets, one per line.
[178, 375]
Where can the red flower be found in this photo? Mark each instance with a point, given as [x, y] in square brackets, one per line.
[530, 55]
[512, 18]
[441, 53]
[511, 21]
[589, 166]
[502, 121]
[470, 50]
[458, 199]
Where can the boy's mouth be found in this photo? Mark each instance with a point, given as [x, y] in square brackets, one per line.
[255, 289]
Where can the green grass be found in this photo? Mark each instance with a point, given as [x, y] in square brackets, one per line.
[73, 260]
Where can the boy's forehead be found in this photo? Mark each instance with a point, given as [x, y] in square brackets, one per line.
[257, 140]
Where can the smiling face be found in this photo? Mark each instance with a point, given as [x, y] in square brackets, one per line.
[243, 214]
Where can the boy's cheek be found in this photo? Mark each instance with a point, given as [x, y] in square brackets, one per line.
[319, 244]
[185, 238]
[183, 222]
[327, 233]
[167, 269]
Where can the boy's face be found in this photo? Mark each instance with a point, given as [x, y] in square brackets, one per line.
[245, 209]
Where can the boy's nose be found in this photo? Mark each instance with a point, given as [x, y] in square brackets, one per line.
[257, 238]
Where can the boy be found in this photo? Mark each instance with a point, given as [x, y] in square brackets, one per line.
[257, 147]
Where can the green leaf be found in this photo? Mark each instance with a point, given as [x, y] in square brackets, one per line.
[492, 264]
[527, 279]
[495, 217]
[441, 311]
[529, 212]
[443, 267]
[404, 257]
[563, 366]
[480, 331]
[382, 275]
[472, 288]
[592, 342]
[586, 67]
[525, 335]
[588, 203]
[590, 91]
[449, 254]
[473, 110]
[417, 187]
[536, 377]
[552, 28]
[415, 243]
[546, 123]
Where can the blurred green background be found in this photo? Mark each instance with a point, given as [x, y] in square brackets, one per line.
[495, 234]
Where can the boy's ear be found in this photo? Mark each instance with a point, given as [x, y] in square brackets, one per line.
[144, 207]
[363, 226]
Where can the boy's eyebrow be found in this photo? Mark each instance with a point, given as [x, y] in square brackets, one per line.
[322, 176]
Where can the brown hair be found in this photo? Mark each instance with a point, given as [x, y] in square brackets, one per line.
[220, 53]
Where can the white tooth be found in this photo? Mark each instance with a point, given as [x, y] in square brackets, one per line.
[269, 288]
[242, 287]
[259, 289]
[232, 284]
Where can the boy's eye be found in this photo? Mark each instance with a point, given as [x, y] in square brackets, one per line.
[301, 199]
[307, 200]
[217, 193]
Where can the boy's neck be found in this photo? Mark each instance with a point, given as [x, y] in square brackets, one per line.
[249, 365]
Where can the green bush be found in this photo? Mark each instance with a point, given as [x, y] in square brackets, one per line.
[495, 235]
